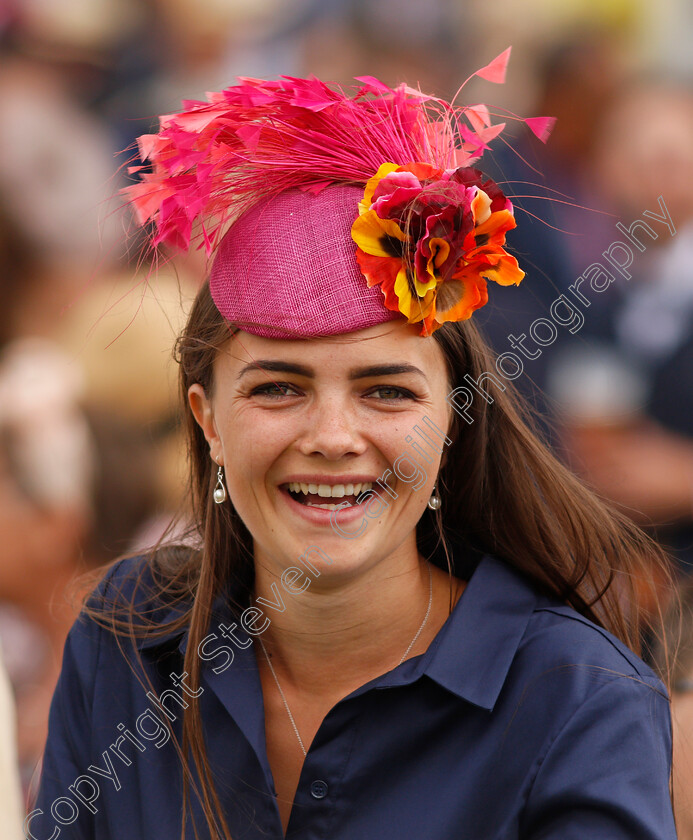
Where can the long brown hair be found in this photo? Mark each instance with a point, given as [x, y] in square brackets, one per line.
[504, 492]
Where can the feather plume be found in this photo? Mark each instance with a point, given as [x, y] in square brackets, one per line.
[257, 138]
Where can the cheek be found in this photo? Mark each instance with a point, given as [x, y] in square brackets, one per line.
[426, 439]
[413, 459]
[252, 441]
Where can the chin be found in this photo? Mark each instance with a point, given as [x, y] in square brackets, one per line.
[326, 560]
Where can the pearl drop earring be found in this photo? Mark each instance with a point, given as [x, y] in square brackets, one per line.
[220, 489]
[435, 502]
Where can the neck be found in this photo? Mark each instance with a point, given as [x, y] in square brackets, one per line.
[334, 638]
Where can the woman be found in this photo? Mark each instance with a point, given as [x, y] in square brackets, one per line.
[397, 615]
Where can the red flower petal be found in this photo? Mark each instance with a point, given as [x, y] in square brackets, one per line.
[381, 271]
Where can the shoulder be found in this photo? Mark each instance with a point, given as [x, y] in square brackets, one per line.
[120, 581]
[573, 682]
[142, 587]
[132, 604]
[127, 611]
[537, 643]
[604, 735]
[559, 633]
[540, 629]
[575, 660]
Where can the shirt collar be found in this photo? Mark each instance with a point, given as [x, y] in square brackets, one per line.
[473, 651]
[471, 654]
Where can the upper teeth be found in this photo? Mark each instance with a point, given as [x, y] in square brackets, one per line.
[330, 491]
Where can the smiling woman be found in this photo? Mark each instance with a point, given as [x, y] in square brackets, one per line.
[351, 413]
[464, 666]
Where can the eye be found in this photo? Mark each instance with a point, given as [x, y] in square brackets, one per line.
[391, 393]
[274, 390]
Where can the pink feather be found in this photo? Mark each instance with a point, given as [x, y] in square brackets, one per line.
[495, 71]
[541, 126]
[258, 138]
[478, 116]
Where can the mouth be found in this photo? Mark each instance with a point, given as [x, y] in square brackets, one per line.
[325, 496]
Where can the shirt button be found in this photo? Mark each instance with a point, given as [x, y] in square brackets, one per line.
[318, 789]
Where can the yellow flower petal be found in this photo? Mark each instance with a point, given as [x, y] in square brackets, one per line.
[373, 234]
[414, 306]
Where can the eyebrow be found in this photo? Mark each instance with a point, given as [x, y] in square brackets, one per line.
[276, 366]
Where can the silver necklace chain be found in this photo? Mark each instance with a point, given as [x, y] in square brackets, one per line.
[286, 705]
[425, 618]
[406, 653]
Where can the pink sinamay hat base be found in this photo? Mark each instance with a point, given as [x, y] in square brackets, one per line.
[287, 268]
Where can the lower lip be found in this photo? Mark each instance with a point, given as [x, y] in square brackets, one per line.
[320, 516]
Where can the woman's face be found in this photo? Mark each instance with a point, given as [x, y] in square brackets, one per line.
[303, 426]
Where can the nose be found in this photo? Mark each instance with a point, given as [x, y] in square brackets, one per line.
[332, 430]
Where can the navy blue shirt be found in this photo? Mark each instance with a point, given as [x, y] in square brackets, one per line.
[522, 720]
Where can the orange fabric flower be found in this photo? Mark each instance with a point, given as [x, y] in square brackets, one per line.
[431, 239]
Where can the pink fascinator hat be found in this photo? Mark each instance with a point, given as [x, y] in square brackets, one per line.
[327, 210]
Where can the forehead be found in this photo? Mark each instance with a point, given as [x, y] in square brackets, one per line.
[381, 344]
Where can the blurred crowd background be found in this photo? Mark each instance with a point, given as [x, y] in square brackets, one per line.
[90, 458]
